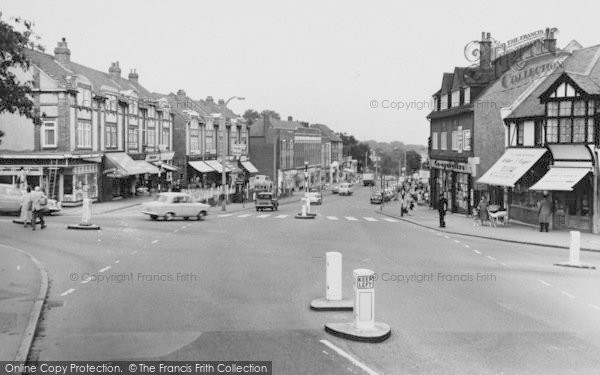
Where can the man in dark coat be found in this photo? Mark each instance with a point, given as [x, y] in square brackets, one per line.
[442, 208]
[545, 213]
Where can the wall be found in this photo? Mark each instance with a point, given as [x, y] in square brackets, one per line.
[18, 133]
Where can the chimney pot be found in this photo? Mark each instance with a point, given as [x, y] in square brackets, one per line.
[62, 53]
[221, 102]
[133, 76]
[209, 99]
[114, 70]
[290, 118]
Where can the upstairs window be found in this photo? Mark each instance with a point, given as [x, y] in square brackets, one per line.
[49, 134]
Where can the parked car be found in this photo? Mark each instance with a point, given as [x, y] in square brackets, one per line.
[10, 199]
[171, 205]
[335, 188]
[345, 189]
[53, 206]
[376, 197]
[314, 196]
[265, 200]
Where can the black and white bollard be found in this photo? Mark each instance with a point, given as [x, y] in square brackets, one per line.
[333, 286]
[363, 328]
[305, 210]
[574, 250]
[86, 217]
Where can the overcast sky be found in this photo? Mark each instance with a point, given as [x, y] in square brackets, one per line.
[318, 61]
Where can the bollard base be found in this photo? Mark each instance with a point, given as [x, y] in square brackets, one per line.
[380, 333]
[323, 304]
[308, 216]
[576, 265]
[19, 221]
[83, 226]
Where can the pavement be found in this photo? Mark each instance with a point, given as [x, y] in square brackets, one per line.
[514, 232]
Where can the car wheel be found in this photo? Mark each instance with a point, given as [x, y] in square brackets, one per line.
[153, 217]
[256, 209]
[186, 218]
[169, 216]
[201, 215]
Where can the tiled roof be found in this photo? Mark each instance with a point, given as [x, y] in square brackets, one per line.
[327, 132]
[49, 66]
[447, 82]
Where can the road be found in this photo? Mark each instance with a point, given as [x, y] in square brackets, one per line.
[237, 287]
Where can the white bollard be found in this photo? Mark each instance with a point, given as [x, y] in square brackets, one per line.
[575, 247]
[307, 205]
[333, 276]
[303, 210]
[86, 214]
[364, 299]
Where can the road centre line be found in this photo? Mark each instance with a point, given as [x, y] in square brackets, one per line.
[457, 241]
[567, 294]
[594, 306]
[281, 216]
[104, 269]
[467, 246]
[446, 237]
[351, 218]
[390, 220]
[543, 282]
[69, 291]
[490, 257]
[477, 251]
[354, 361]
[244, 215]
[155, 241]
[332, 218]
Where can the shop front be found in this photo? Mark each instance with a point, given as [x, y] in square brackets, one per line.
[79, 182]
[124, 177]
[453, 179]
[199, 174]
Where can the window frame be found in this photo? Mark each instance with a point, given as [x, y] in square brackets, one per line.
[43, 138]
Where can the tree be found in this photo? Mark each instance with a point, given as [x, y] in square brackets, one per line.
[251, 116]
[15, 96]
[413, 161]
[271, 114]
[357, 150]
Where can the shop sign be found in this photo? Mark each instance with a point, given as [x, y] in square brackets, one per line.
[85, 168]
[11, 171]
[466, 142]
[460, 140]
[451, 165]
[152, 157]
[365, 282]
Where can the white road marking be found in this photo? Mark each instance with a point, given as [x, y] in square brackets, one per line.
[490, 258]
[351, 218]
[18, 268]
[244, 215]
[117, 261]
[263, 216]
[438, 233]
[390, 220]
[224, 215]
[354, 361]
[155, 241]
[567, 294]
[332, 218]
[503, 264]
[477, 251]
[543, 282]
[467, 246]
[431, 230]
[105, 269]
[67, 292]
[370, 219]
[134, 252]
[457, 241]
[594, 306]
[281, 216]
[446, 237]
[176, 230]
[324, 352]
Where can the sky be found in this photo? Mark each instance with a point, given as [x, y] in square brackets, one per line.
[367, 68]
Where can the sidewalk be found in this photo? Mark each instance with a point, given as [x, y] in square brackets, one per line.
[513, 232]
[23, 287]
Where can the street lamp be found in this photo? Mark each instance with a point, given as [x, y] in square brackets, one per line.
[223, 170]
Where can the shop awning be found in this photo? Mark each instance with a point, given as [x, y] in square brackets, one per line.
[249, 167]
[561, 179]
[217, 166]
[166, 166]
[233, 168]
[512, 166]
[201, 166]
[121, 165]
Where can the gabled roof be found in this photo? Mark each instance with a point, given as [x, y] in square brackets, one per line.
[447, 82]
[327, 132]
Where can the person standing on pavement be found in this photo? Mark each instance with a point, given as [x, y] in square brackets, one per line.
[482, 209]
[442, 208]
[22, 179]
[544, 213]
[26, 205]
[39, 204]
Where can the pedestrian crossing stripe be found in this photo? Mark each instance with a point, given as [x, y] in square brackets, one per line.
[370, 219]
[332, 218]
[351, 218]
[244, 215]
[390, 220]
[263, 216]
[281, 216]
[224, 215]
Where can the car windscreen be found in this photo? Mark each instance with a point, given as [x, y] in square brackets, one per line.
[162, 199]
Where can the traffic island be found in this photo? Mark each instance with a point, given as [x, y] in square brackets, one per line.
[86, 217]
[333, 287]
[19, 221]
[363, 328]
[305, 213]
[574, 250]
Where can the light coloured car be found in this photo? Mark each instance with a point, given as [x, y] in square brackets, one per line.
[345, 188]
[171, 205]
[314, 196]
[10, 199]
[335, 188]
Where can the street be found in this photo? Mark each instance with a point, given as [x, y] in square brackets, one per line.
[238, 286]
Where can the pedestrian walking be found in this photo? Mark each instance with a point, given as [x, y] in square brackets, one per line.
[545, 212]
[402, 200]
[26, 207]
[482, 209]
[442, 208]
[22, 179]
[39, 206]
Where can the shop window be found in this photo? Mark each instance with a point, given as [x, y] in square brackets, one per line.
[68, 184]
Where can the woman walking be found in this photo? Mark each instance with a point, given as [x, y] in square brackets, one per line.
[26, 207]
[482, 208]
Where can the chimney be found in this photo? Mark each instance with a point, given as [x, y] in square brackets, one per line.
[290, 118]
[133, 76]
[62, 53]
[181, 95]
[550, 41]
[485, 51]
[221, 102]
[209, 100]
[114, 70]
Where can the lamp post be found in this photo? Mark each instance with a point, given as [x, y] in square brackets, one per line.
[223, 170]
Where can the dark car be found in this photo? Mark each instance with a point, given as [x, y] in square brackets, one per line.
[376, 198]
[265, 200]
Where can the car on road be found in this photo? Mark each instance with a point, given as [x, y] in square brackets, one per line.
[171, 205]
[335, 189]
[10, 199]
[345, 189]
[265, 200]
[376, 197]
[314, 196]
[53, 206]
